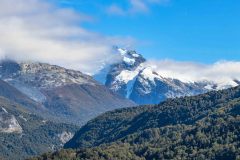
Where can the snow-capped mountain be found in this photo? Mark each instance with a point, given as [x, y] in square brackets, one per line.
[134, 79]
[57, 93]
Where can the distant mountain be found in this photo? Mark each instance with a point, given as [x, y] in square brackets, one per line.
[131, 78]
[57, 93]
[199, 127]
[23, 134]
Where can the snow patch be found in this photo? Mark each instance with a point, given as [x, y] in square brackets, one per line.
[123, 52]
[209, 87]
[129, 61]
[148, 73]
[125, 76]
[135, 55]
[147, 88]
[130, 85]
[4, 110]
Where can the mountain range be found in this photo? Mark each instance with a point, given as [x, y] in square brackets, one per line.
[70, 96]
[133, 78]
[43, 105]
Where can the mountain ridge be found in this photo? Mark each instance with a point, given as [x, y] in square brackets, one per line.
[138, 81]
[50, 87]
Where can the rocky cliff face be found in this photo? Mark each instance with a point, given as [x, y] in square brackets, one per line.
[8, 122]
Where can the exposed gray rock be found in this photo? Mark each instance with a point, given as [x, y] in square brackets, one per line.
[65, 136]
[8, 122]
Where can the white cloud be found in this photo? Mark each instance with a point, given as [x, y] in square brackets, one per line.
[135, 6]
[139, 5]
[115, 9]
[222, 72]
[39, 31]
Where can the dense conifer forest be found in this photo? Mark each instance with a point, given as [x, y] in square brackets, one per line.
[200, 127]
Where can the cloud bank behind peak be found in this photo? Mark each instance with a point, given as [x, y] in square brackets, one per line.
[222, 72]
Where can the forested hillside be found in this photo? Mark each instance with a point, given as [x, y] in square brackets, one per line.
[201, 127]
[23, 134]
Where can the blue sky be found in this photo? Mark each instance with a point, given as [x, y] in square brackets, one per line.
[203, 31]
[184, 39]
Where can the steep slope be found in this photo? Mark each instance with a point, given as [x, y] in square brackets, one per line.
[200, 127]
[134, 79]
[151, 88]
[66, 95]
[13, 94]
[116, 125]
[23, 134]
[80, 103]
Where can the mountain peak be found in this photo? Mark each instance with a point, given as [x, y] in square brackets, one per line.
[130, 57]
[132, 78]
